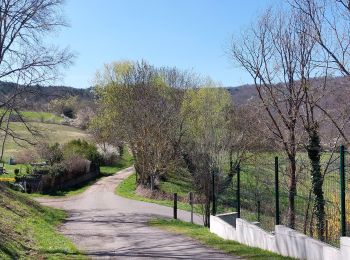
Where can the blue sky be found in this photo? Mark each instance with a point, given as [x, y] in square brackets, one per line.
[188, 34]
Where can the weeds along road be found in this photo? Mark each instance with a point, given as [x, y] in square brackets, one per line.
[106, 226]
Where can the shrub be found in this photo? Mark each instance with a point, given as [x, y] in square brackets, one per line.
[83, 117]
[58, 169]
[84, 149]
[77, 165]
[66, 106]
[50, 153]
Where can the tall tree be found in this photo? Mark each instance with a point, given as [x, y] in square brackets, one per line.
[142, 105]
[207, 120]
[272, 53]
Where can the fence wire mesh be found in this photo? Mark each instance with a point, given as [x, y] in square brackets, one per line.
[258, 195]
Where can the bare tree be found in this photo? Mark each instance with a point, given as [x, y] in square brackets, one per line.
[330, 22]
[25, 57]
[272, 52]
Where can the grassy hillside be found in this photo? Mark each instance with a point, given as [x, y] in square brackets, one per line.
[28, 230]
[47, 132]
[43, 117]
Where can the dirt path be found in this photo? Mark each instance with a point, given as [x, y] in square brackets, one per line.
[107, 226]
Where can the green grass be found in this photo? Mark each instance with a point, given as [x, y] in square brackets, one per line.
[127, 160]
[43, 117]
[204, 236]
[50, 133]
[11, 168]
[127, 190]
[29, 230]
[35, 116]
[179, 182]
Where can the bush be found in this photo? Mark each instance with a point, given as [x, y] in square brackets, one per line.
[77, 165]
[58, 169]
[82, 148]
[83, 117]
[50, 153]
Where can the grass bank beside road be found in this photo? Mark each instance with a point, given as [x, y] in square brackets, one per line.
[29, 230]
[204, 236]
[127, 189]
[126, 161]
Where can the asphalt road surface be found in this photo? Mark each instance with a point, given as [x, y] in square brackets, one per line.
[106, 226]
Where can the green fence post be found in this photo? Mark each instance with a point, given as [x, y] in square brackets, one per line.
[342, 191]
[175, 205]
[277, 195]
[213, 210]
[259, 208]
[238, 195]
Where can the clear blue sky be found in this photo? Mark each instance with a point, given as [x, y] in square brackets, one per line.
[188, 34]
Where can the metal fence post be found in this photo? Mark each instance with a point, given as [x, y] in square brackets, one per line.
[342, 191]
[259, 210]
[213, 210]
[191, 204]
[277, 195]
[238, 195]
[175, 205]
[326, 230]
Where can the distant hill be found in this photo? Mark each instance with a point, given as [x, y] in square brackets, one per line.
[37, 97]
[338, 89]
[242, 94]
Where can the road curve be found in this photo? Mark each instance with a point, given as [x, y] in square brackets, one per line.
[107, 226]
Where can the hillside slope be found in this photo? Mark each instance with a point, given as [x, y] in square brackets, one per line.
[51, 133]
[28, 230]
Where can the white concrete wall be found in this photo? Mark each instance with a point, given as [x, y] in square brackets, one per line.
[222, 228]
[252, 235]
[345, 248]
[286, 241]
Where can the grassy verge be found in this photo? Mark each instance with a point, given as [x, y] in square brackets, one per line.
[28, 230]
[179, 182]
[127, 190]
[126, 161]
[204, 236]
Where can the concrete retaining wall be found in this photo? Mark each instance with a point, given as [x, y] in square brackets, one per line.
[285, 241]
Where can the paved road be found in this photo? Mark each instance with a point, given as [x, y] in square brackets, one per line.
[107, 226]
